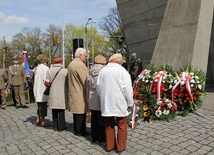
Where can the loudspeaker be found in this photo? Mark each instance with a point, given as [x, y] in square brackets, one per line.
[78, 42]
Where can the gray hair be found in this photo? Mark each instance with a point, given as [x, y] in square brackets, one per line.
[117, 57]
[79, 51]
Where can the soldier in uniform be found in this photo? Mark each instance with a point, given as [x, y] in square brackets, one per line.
[3, 79]
[136, 66]
[18, 83]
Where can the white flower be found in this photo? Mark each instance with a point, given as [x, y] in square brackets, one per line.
[147, 81]
[169, 105]
[175, 81]
[158, 113]
[166, 112]
[192, 81]
[199, 86]
[163, 81]
[167, 100]
[197, 81]
[196, 77]
[170, 86]
[182, 83]
[192, 85]
[159, 102]
[192, 73]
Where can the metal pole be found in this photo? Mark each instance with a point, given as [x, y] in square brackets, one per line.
[63, 52]
[92, 40]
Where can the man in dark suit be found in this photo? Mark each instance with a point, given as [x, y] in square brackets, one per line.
[17, 80]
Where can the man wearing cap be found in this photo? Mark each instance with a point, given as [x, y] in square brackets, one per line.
[18, 82]
[136, 66]
[114, 87]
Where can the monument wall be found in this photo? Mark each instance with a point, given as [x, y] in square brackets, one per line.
[173, 32]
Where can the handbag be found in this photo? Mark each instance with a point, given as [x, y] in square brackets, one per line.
[47, 90]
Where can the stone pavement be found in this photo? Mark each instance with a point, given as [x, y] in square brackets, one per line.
[193, 134]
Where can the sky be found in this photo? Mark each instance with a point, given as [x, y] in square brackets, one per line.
[17, 14]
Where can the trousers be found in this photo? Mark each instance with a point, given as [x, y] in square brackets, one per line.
[112, 141]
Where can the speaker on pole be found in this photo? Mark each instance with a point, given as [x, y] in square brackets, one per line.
[78, 42]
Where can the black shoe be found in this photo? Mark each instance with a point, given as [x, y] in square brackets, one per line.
[17, 107]
[3, 108]
[94, 140]
[84, 134]
[109, 150]
[101, 140]
[25, 106]
[119, 152]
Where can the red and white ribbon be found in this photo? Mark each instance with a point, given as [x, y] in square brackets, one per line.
[134, 114]
[186, 77]
[175, 86]
[159, 76]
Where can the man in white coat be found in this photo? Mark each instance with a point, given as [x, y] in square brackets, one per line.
[114, 87]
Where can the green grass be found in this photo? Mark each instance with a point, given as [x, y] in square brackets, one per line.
[9, 100]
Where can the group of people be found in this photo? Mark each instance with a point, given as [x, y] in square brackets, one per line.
[105, 90]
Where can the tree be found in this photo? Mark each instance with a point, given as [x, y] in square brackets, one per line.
[112, 25]
[30, 40]
[89, 34]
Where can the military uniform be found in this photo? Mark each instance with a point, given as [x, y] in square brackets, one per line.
[17, 79]
[135, 68]
[3, 79]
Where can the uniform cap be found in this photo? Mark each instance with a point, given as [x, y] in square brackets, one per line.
[15, 58]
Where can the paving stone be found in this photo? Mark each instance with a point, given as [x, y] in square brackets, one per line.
[192, 135]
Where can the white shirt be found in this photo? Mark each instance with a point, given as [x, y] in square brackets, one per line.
[114, 87]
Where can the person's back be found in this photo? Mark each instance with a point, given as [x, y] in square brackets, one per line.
[114, 80]
[97, 124]
[116, 97]
[56, 79]
[77, 100]
[58, 91]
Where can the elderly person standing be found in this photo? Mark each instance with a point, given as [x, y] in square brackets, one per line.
[57, 77]
[3, 79]
[38, 89]
[77, 72]
[114, 87]
[97, 125]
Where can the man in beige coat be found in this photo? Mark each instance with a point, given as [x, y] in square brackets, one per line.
[17, 80]
[77, 72]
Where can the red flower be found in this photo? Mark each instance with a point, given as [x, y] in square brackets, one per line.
[142, 98]
[180, 102]
[197, 92]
